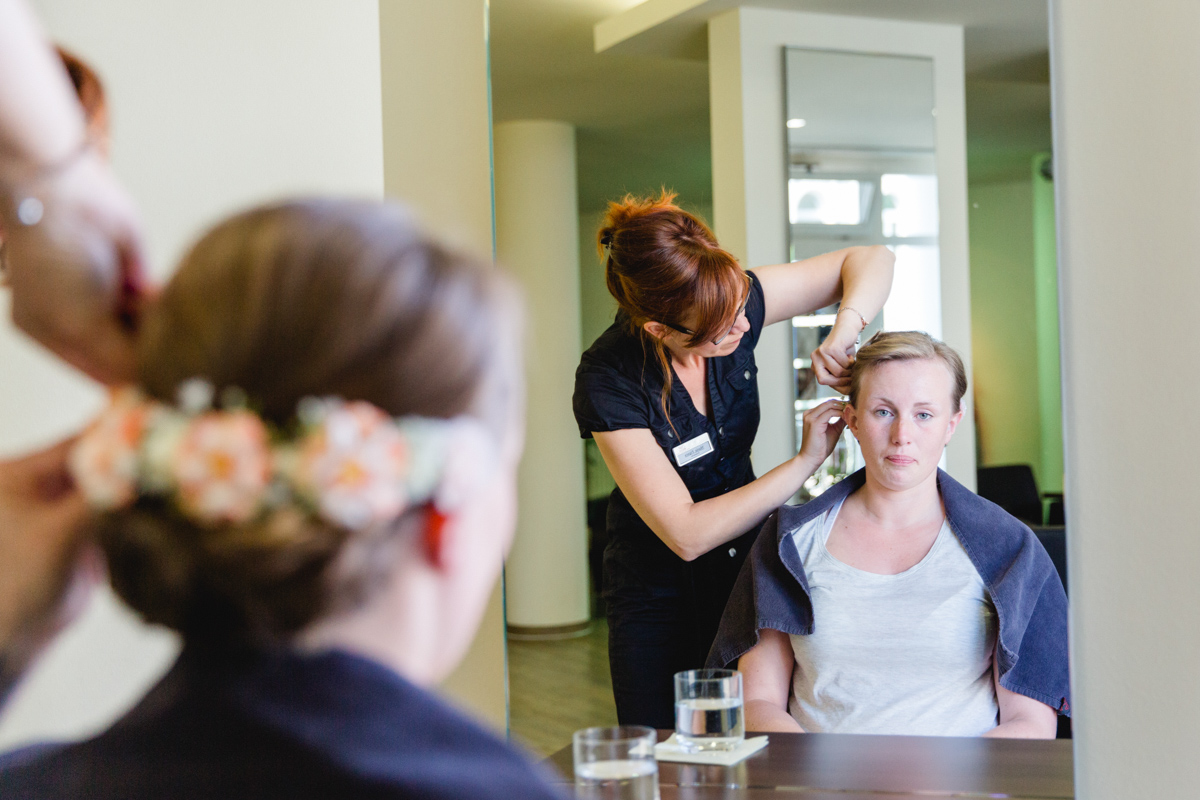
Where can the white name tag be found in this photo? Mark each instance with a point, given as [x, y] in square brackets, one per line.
[692, 449]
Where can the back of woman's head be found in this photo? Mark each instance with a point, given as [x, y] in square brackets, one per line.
[307, 299]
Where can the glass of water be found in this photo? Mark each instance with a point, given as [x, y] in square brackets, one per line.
[708, 709]
[616, 763]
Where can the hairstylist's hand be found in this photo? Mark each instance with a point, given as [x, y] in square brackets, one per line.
[77, 275]
[47, 565]
[833, 358]
[823, 426]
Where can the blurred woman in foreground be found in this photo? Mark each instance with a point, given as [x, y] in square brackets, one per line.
[313, 481]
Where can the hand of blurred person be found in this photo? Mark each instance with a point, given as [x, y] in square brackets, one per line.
[47, 566]
[77, 273]
[72, 243]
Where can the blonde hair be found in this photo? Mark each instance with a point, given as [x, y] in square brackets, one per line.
[887, 346]
[307, 299]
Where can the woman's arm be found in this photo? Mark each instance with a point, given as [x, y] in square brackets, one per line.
[47, 566]
[40, 120]
[72, 241]
[691, 529]
[767, 683]
[861, 277]
[1021, 717]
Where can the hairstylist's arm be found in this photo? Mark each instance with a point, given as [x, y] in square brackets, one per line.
[767, 683]
[860, 277]
[76, 271]
[691, 529]
[46, 566]
[1022, 717]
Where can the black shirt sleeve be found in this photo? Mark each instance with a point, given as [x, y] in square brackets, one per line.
[606, 400]
[756, 308]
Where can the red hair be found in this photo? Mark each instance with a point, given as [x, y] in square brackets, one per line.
[88, 89]
[662, 264]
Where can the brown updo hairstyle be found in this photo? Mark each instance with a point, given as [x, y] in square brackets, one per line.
[307, 299]
[662, 264]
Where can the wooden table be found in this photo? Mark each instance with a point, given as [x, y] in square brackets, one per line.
[853, 767]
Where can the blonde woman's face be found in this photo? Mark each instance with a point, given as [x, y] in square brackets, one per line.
[903, 420]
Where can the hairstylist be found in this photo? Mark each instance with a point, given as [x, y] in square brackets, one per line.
[72, 255]
[670, 396]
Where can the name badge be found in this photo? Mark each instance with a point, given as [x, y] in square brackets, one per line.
[693, 449]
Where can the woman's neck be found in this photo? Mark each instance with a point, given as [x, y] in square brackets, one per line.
[900, 508]
[682, 358]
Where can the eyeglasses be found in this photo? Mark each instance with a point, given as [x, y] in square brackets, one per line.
[741, 311]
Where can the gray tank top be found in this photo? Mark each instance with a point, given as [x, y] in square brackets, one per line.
[894, 654]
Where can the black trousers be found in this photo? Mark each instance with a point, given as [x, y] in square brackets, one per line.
[655, 631]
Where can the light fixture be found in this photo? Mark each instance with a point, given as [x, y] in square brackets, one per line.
[796, 123]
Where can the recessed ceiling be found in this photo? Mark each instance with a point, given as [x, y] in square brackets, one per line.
[643, 116]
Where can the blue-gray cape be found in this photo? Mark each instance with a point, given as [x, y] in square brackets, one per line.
[772, 589]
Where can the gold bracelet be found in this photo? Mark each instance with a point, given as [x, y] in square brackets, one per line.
[860, 316]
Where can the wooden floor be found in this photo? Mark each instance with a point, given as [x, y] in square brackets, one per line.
[556, 688]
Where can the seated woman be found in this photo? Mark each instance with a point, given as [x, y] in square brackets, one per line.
[322, 517]
[899, 602]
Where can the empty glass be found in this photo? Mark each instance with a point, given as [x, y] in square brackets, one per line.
[708, 709]
[616, 763]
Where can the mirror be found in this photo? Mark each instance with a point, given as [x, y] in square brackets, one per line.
[861, 171]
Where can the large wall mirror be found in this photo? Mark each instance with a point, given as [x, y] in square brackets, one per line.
[861, 170]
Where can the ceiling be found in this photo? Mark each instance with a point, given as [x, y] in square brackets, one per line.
[642, 118]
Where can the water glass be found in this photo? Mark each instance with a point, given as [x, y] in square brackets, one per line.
[616, 763]
[708, 709]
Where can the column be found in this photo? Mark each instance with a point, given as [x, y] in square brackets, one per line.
[537, 237]
[1126, 93]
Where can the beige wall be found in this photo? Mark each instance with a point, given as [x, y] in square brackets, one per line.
[437, 156]
[1126, 85]
[215, 105]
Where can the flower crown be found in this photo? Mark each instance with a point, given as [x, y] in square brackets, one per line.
[347, 463]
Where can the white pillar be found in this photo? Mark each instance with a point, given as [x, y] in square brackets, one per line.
[537, 237]
[1126, 87]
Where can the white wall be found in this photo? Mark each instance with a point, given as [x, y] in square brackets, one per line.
[1126, 86]
[215, 105]
[745, 49]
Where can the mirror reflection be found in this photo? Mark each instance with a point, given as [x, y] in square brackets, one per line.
[861, 171]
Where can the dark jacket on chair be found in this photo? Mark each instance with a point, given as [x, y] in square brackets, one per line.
[772, 589]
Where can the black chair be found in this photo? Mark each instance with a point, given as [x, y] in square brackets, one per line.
[1013, 488]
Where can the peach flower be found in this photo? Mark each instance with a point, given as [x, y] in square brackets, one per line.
[353, 465]
[222, 466]
[104, 463]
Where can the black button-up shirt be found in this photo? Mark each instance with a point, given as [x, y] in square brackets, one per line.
[618, 385]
